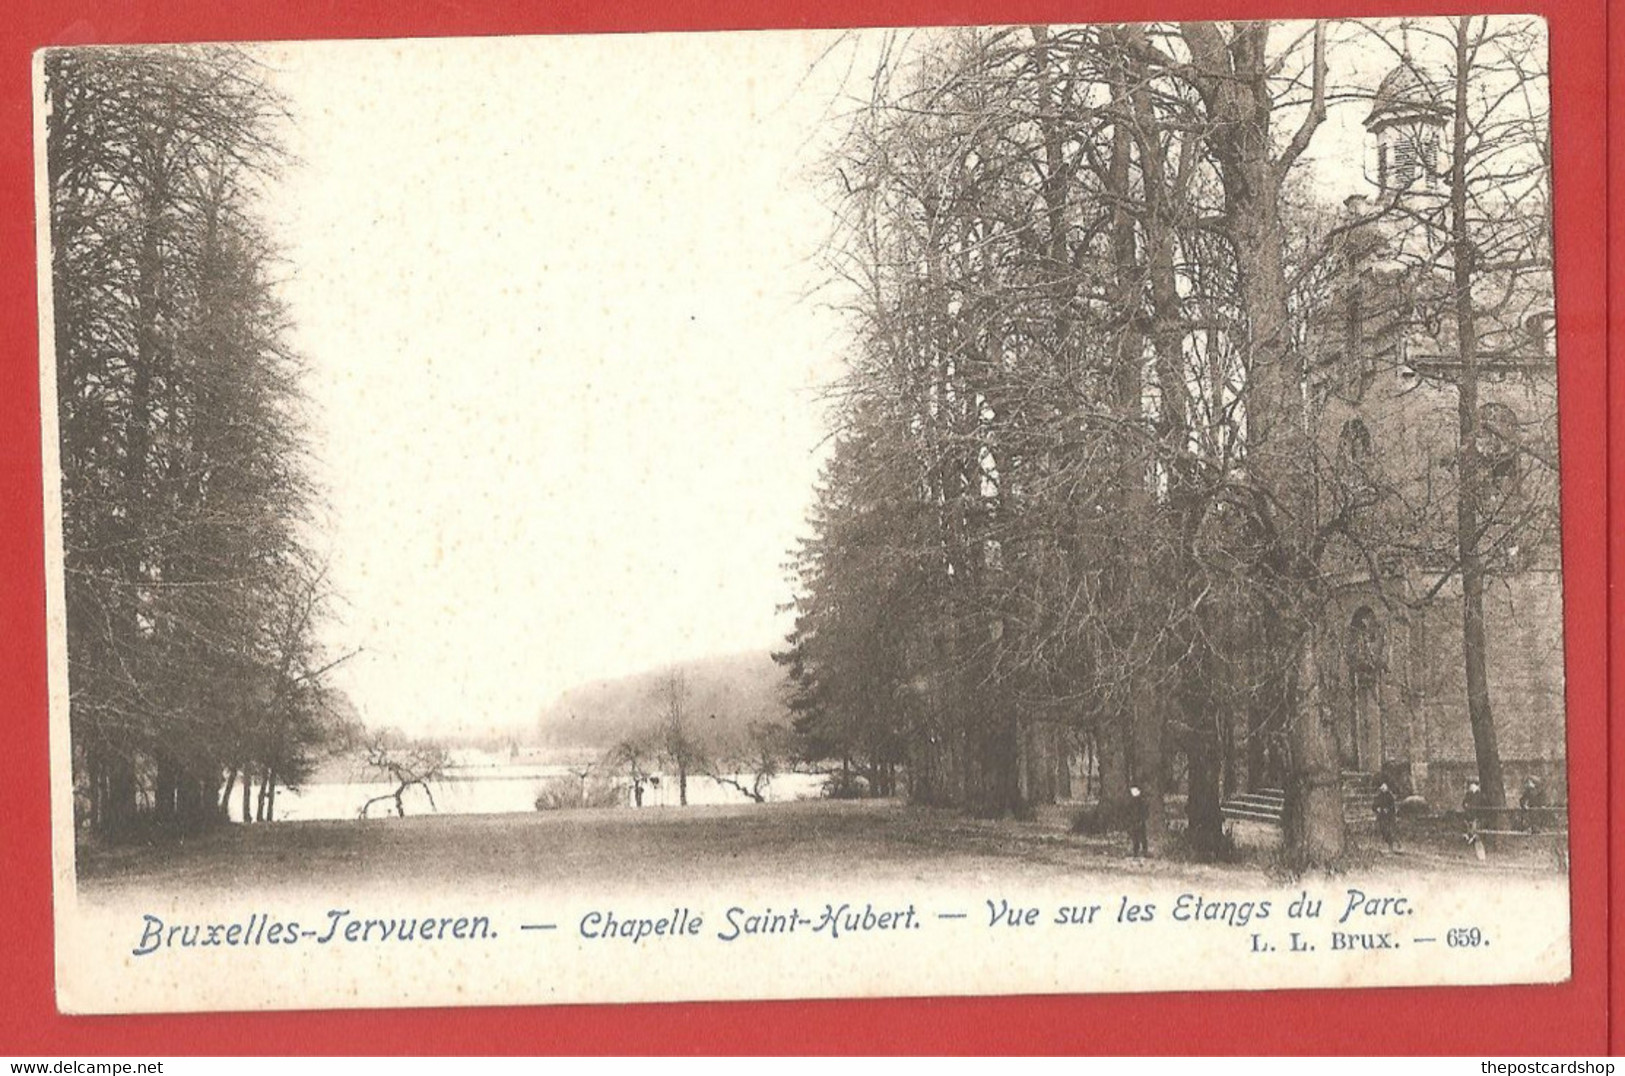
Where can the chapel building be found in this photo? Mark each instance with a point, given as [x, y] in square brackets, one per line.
[1383, 376]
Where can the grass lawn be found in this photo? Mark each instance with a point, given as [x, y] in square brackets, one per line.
[812, 842]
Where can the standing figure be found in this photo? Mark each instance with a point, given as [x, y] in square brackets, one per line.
[1530, 804]
[1387, 811]
[1472, 806]
[1139, 814]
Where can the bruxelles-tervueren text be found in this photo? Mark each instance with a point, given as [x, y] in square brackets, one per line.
[339, 925]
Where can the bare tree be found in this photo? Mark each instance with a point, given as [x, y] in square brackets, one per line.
[677, 736]
[409, 764]
[749, 767]
[583, 771]
[186, 505]
[635, 755]
[1077, 483]
[1474, 226]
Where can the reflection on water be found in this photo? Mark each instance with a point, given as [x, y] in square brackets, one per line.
[507, 788]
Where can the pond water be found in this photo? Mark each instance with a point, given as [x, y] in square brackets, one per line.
[484, 787]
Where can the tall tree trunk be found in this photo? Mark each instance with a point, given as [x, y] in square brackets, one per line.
[1232, 77]
[1111, 753]
[165, 790]
[133, 539]
[1202, 753]
[225, 794]
[122, 792]
[1463, 253]
[1138, 741]
[1229, 780]
[191, 796]
[1149, 767]
[1313, 822]
[1061, 742]
[1005, 754]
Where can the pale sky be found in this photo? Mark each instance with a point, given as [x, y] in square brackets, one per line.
[554, 297]
[552, 294]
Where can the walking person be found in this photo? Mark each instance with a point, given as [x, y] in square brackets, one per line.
[1139, 814]
[1472, 805]
[1530, 805]
[1386, 808]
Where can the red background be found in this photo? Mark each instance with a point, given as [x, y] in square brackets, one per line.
[1567, 1019]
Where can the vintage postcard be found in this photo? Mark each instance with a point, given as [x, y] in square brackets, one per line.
[803, 514]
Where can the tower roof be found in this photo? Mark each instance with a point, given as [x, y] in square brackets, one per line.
[1408, 94]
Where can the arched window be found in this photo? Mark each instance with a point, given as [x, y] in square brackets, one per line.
[1364, 645]
[1365, 657]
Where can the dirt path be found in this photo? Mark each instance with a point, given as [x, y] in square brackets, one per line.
[772, 844]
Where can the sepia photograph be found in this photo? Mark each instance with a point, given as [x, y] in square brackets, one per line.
[791, 514]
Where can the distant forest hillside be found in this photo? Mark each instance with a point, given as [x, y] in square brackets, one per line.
[725, 694]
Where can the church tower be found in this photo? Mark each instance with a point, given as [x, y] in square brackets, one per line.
[1408, 118]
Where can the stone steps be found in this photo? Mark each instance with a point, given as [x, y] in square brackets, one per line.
[1267, 804]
